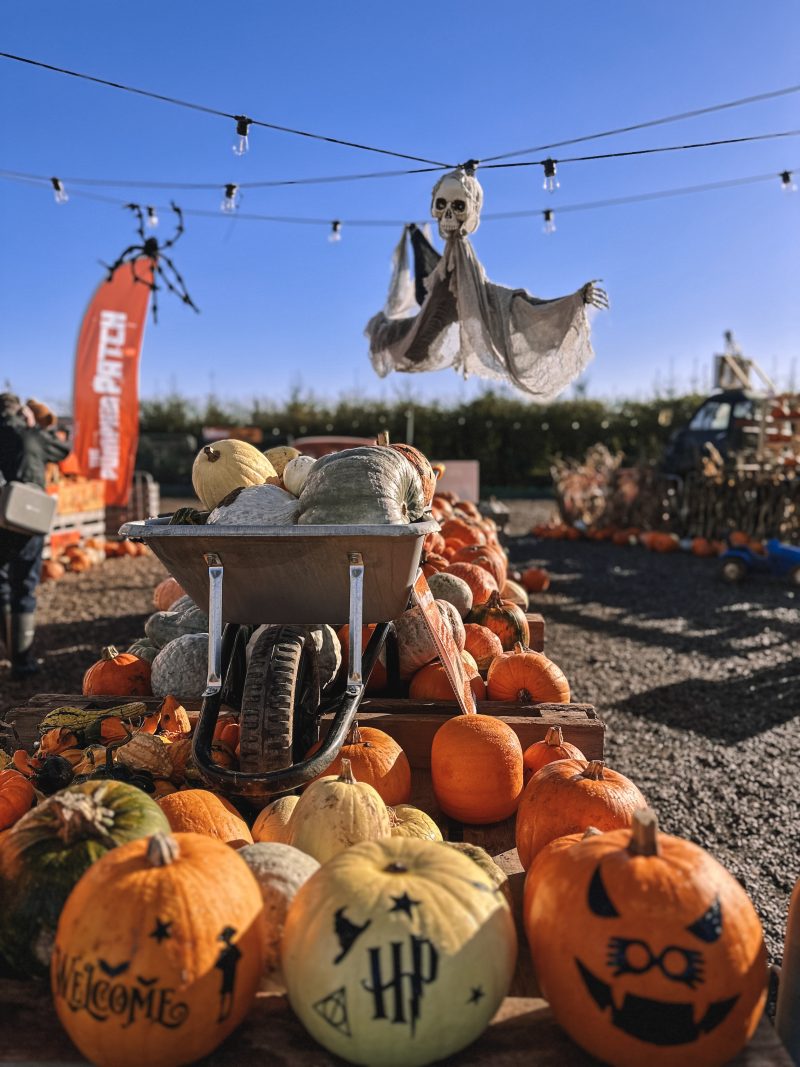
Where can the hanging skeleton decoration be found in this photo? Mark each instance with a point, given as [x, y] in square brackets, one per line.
[155, 252]
[465, 321]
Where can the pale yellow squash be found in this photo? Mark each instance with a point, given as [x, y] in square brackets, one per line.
[223, 466]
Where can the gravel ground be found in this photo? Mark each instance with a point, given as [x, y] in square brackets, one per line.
[698, 682]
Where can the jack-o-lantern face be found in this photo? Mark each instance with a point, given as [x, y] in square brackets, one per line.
[647, 957]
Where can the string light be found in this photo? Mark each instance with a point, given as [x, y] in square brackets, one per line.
[152, 217]
[243, 124]
[59, 192]
[230, 200]
[551, 182]
[549, 221]
[336, 232]
[788, 183]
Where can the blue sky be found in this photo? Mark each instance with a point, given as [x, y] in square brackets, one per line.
[281, 307]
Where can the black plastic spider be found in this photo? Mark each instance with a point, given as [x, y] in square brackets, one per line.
[155, 252]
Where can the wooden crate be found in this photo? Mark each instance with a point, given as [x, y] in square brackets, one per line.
[522, 1032]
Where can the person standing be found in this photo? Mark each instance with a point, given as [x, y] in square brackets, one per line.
[27, 443]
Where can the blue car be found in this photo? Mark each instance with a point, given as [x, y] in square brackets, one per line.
[780, 559]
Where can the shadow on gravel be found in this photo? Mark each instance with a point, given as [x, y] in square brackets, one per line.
[729, 710]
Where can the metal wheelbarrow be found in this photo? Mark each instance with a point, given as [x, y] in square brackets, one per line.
[291, 577]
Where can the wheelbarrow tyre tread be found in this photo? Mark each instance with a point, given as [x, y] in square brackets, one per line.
[272, 690]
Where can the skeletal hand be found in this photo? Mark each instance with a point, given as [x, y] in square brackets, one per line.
[594, 295]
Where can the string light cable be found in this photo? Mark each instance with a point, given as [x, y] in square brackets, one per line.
[335, 226]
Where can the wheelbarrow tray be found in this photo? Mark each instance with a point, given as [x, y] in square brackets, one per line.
[291, 574]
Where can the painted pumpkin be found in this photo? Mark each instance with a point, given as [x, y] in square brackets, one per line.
[16, 797]
[476, 768]
[647, 950]
[336, 812]
[526, 677]
[146, 968]
[117, 674]
[377, 759]
[567, 796]
[226, 465]
[372, 486]
[45, 853]
[553, 748]
[398, 952]
[503, 618]
[408, 821]
[482, 644]
[272, 822]
[199, 811]
[280, 871]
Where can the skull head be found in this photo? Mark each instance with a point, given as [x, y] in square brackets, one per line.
[456, 204]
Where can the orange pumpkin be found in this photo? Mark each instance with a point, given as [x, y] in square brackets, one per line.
[567, 796]
[16, 797]
[647, 950]
[464, 530]
[432, 683]
[702, 547]
[527, 677]
[117, 674]
[378, 679]
[481, 583]
[442, 504]
[377, 759]
[174, 719]
[476, 768]
[435, 563]
[79, 560]
[482, 644]
[433, 544]
[738, 539]
[540, 870]
[197, 811]
[488, 557]
[166, 593]
[554, 747]
[503, 618]
[468, 508]
[536, 579]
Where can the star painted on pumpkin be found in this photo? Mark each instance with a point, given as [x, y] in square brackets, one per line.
[405, 903]
[162, 931]
[477, 994]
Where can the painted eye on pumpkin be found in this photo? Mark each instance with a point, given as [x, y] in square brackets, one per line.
[631, 956]
[708, 927]
[599, 900]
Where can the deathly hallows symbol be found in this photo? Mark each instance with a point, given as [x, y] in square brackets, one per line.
[333, 1009]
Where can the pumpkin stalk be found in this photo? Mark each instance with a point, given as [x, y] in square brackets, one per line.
[644, 833]
[162, 849]
[554, 737]
[354, 737]
[109, 653]
[383, 438]
[594, 770]
[346, 773]
[79, 816]
[212, 454]
[396, 868]
[524, 697]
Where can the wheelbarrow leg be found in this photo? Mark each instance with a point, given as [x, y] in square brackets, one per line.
[214, 678]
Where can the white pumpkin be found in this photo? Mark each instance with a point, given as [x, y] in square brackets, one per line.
[223, 466]
[280, 871]
[272, 821]
[398, 953]
[415, 644]
[295, 473]
[181, 668]
[453, 589]
[261, 505]
[336, 812]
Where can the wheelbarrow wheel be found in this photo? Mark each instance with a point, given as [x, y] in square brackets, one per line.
[281, 687]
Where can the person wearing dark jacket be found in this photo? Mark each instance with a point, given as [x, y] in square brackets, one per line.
[25, 449]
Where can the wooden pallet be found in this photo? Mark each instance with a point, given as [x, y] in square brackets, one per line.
[71, 529]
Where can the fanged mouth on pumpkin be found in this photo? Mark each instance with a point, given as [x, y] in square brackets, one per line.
[657, 1022]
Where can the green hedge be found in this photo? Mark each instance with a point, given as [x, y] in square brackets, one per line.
[515, 441]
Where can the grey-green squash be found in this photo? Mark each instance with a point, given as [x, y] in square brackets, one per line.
[362, 486]
[260, 505]
[46, 852]
[164, 626]
[181, 668]
[144, 648]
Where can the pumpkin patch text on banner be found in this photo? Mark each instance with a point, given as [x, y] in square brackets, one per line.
[106, 392]
[445, 645]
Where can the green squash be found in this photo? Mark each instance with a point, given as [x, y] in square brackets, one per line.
[45, 853]
[181, 668]
[144, 649]
[361, 486]
[165, 626]
[497, 875]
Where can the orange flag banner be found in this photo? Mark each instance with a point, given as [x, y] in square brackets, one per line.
[105, 404]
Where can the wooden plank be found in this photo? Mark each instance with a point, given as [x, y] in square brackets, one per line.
[536, 627]
[522, 1034]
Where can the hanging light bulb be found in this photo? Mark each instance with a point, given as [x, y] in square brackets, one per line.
[549, 221]
[243, 124]
[59, 192]
[229, 201]
[336, 232]
[551, 182]
[788, 183]
[152, 217]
